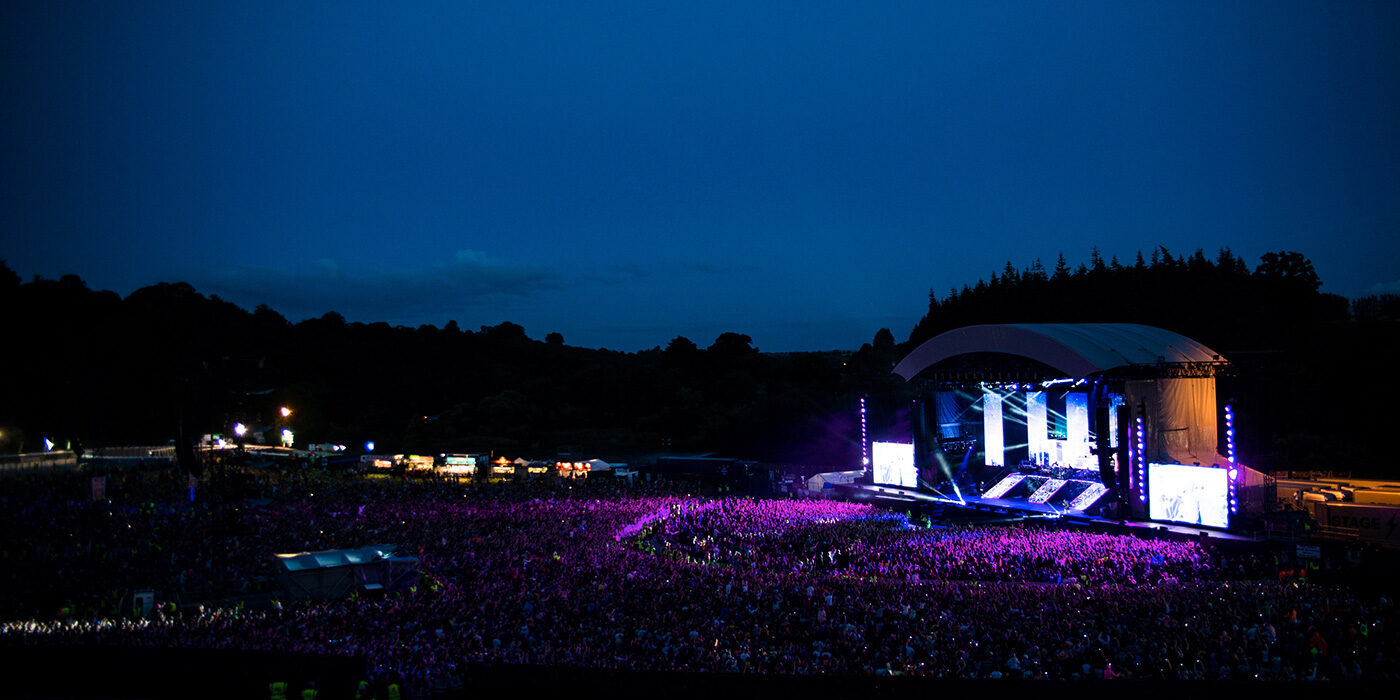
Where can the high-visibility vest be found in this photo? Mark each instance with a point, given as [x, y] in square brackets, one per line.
[394, 691]
[362, 692]
[308, 694]
[278, 690]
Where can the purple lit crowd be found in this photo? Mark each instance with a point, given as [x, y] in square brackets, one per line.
[833, 538]
[611, 576]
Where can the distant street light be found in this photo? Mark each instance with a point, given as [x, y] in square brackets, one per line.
[239, 429]
[369, 446]
[285, 411]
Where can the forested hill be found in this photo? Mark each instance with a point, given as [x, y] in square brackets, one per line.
[91, 368]
[1219, 302]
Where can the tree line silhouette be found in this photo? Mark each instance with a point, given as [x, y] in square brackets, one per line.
[90, 368]
[1312, 377]
[1219, 301]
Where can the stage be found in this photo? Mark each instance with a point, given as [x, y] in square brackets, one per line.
[1027, 510]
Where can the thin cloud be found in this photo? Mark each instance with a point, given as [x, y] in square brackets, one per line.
[623, 273]
[706, 268]
[469, 279]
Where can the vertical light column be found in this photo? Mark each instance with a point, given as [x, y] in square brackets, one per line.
[1037, 427]
[1230, 433]
[1140, 455]
[1077, 428]
[1234, 473]
[1113, 426]
[992, 428]
[864, 438]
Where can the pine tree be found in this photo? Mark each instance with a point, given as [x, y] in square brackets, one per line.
[1227, 262]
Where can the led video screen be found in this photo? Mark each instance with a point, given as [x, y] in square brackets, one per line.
[893, 463]
[1188, 494]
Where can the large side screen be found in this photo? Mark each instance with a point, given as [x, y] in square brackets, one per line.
[1188, 494]
[893, 463]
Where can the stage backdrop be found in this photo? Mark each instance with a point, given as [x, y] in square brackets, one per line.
[1181, 419]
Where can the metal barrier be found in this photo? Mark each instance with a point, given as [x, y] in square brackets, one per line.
[58, 459]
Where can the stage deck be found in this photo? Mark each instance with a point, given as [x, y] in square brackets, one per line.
[1026, 508]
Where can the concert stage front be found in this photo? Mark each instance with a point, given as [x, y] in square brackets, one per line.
[1111, 421]
[1021, 509]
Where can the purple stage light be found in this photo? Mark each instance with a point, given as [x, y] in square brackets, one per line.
[1141, 457]
[864, 437]
[1230, 433]
[1230, 455]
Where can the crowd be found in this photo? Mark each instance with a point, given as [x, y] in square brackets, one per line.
[602, 575]
[836, 538]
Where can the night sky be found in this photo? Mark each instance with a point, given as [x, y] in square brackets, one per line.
[624, 173]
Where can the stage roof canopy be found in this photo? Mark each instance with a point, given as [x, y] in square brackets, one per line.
[1077, 349]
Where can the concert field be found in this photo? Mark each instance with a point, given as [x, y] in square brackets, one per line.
[632, 583]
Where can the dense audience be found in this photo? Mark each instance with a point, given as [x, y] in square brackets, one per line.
[848, 539]
[612, 576]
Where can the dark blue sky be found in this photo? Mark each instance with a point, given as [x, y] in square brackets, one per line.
[623, 173]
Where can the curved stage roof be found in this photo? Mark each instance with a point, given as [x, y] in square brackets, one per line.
[1077, 349]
